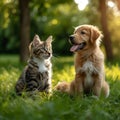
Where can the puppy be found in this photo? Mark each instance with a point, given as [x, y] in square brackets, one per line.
[89, 63]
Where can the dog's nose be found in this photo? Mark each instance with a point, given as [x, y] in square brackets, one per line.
[71, 38]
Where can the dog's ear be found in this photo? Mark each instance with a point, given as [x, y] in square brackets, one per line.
[94, 34]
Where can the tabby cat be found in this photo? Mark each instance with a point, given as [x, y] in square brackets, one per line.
[37, 74]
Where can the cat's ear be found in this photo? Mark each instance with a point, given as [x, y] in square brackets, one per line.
[49, 39]
[36, 40]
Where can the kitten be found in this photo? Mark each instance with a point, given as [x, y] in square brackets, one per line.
[37, 74]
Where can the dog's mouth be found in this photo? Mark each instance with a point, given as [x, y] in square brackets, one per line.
[77, 47]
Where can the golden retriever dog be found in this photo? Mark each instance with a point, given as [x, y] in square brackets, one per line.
[89, 63]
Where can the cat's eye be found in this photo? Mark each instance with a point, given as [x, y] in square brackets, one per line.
[47, 48]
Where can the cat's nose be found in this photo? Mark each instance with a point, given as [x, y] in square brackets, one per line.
[48, 54]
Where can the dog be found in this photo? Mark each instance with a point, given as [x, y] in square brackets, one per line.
[89, 64]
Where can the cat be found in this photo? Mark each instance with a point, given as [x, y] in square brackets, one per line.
[37, 74]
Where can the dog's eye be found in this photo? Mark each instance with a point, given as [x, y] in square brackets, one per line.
[82, 32]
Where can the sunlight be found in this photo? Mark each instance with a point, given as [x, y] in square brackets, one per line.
[111, 4]
[7, 1]
[81, 4]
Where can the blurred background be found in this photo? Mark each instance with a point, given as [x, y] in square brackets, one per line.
[20, 20]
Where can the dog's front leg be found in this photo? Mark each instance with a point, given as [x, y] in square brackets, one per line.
[79, 84]
[97, 86]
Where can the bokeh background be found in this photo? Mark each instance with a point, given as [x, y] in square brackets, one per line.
[20, 20]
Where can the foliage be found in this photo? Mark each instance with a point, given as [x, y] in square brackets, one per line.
[47, 18]
[56, 20]
[57, 106]
[115, 35]
[51, 17]
[9, 27]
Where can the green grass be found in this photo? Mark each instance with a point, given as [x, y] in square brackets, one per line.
[58, 106]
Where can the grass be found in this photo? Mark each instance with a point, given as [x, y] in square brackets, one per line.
[58, 106]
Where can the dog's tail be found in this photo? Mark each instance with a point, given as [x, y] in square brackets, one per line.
[63, 87]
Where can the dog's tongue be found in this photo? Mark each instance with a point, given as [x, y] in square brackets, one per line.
[74, 48]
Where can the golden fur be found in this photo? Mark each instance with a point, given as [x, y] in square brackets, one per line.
[89, 63]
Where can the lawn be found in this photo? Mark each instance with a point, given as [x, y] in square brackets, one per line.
[57, 106]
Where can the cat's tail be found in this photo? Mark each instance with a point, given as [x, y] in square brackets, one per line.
[63, 87]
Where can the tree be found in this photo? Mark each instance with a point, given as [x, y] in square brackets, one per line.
[107, 37]
[118, 3]
[24, 29]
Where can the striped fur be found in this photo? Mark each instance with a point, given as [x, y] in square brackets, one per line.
[37, 74]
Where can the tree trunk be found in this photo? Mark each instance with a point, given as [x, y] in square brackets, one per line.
[24, 29]
[107, 39]
[118, 4]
